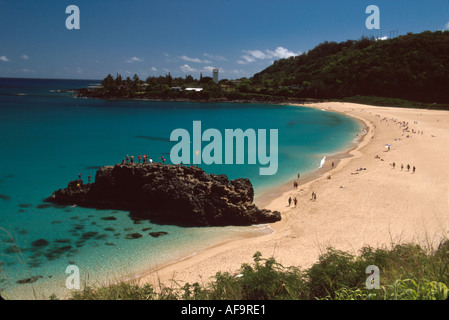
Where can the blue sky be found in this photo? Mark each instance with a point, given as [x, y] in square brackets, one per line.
[151, 38]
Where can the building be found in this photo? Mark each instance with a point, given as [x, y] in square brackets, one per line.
[215, 75]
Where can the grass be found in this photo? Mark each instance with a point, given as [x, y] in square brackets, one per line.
[407, 272]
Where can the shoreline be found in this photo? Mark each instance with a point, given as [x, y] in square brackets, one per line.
[264, 200]
[270, 194]
[377, 207]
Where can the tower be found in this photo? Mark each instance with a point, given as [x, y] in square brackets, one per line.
[215, 75]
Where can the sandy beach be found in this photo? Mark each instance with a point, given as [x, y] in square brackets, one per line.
[362, 200]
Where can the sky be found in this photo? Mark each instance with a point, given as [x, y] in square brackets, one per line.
[189, 37]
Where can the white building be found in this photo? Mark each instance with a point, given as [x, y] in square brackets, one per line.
[215, 75]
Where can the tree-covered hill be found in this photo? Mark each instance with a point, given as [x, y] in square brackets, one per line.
[413, 67]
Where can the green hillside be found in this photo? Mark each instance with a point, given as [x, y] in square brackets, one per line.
[412, 67]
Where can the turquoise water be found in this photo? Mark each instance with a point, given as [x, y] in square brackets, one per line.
[48, 137]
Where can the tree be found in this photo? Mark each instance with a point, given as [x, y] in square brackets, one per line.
[108, 83]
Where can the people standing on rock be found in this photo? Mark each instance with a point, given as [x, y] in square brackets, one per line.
[79, 175]
[163, 160]
[127, 158]
[139, 157]
[89, 177]
[289, 201]
[132, 159]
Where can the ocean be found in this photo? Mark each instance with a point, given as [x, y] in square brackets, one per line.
[48, 137]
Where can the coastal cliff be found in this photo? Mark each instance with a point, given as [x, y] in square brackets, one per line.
[168, 194]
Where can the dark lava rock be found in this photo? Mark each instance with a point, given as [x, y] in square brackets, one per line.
[133, 236]
[158, 234]
[28, 280]
[40, 243]
[88, 235]
[4, 197]
[109, 218]
[168, 194]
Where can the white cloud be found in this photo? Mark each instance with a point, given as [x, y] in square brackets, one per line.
[134, 59]
[153, 69]
[282, 53]
[257, 54]
[254, 55]
[236, 72]
[195, 60]
[24, 57]
[186, 69]
[216, 58]
[28, 70]
[4, 58]
[246, 60]
[446, 27]
[210, 69]
[382, 38]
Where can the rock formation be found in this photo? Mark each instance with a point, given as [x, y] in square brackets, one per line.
[170, 194]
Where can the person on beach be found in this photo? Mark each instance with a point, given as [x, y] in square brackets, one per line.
[298, 175]
[402, 166]
[313, 195]
[394, 165]
[332, 164]
[414, 168]
[289, 201]
[408, 167]
[295, 201]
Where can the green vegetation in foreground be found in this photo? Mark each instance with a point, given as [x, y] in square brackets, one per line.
[407, 272]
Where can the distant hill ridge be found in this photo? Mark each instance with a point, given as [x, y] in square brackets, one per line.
[413, 67]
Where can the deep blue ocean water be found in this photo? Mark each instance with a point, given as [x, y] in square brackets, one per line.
[48, 137]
